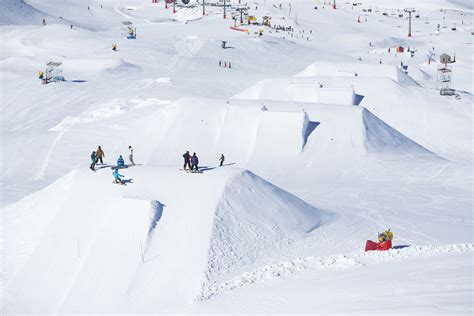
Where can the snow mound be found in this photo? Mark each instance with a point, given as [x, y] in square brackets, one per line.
[325, 69]
[123, 67]
[299, 90]
[17, 12]
[162, 238]
[106, 110]
[253, 219]
[241, 129]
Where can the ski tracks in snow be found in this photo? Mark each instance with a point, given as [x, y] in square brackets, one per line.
[340, 262]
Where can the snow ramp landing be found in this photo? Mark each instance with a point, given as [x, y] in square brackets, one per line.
[156, 244]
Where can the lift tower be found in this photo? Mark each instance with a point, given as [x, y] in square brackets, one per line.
[409, 11]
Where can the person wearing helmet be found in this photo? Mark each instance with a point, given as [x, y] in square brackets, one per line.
[120, 162]
[117, 177]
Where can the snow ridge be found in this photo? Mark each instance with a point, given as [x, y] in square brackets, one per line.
[355, 260]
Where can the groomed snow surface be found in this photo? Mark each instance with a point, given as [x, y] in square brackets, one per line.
[327, 142]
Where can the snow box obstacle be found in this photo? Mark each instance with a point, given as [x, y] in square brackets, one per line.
[149, 246]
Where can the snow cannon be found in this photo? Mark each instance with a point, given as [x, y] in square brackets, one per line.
[384, 242]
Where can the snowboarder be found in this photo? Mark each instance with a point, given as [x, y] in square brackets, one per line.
[194, 163]
[187, 160]
[71, 26]
[117, 177]
[94, 160]
[40, 75]
[120, 162]
[220, 63]
[221, 160]
[114, 47]
[44, 22]
[100, 154]
[130, 155]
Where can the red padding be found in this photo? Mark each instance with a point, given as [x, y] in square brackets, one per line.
[370, 245]
[384, 245]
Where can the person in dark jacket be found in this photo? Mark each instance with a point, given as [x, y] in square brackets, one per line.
[187, 160]
[94, 160]
[221, 160]
[194, 162]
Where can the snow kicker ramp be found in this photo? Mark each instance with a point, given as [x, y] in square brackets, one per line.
[329, 69]
[153, 245]
[250, 132]
[299, 90]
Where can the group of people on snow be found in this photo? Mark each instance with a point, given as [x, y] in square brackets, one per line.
[98, 156]
[191, 162]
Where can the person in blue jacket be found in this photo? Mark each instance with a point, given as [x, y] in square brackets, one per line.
[117, 176]
[94, 160]
[120, 162]
[194, 162]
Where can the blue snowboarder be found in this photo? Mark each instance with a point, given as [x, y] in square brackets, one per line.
[117, 177]
[120, 162]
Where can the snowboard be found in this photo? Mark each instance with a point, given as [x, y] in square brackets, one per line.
[119, 167]
[189, 171]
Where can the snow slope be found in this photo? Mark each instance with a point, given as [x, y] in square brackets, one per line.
[327, 142]
[187, 243]
[16, 12]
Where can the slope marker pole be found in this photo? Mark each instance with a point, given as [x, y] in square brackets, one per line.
[141, 250]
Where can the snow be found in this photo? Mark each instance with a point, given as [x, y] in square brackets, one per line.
[327, 141]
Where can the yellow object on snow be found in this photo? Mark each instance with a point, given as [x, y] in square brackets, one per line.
[386, 235]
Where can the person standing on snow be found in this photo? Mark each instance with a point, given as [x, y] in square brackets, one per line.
[117, 176]
[194, 162]
[221, 160]
[120, 162]
[130, 155]
[99, 155]
[187, 160]
[94, 160]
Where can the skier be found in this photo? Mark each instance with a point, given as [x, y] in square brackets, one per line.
[221, 160]
[120, 162]
[94, 160]
[114, 47]
[117, 177]
[130, 155]
[194, 163]
[187, 158]
[44, 22]
[40, 75]
[100, 154]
